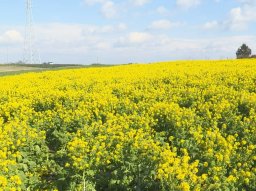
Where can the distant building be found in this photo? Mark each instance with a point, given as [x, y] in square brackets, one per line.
[47, 63]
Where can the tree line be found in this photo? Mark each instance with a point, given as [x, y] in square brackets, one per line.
[244, 52]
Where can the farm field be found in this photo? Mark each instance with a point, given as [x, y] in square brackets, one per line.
[184, 125]
[12, 69]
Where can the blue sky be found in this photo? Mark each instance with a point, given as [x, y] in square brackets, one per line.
[114, 31]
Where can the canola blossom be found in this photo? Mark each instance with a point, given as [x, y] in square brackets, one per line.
[185, 125]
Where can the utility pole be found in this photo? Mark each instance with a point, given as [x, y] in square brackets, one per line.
[31, 56]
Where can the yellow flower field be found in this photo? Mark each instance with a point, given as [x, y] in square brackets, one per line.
[185, 125]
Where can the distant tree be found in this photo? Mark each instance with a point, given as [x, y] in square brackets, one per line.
[243, 52]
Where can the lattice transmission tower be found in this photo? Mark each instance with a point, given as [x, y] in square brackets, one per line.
[31, 54]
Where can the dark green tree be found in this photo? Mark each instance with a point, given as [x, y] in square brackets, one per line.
[243, 52]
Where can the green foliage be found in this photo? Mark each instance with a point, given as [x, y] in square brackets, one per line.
[180, 126]
[243, 52]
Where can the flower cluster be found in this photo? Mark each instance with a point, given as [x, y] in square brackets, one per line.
[187, 125]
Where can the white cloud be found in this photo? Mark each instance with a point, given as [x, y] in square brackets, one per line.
[70, 43]
[139, 37]
[163, 47]
[134, 39]
[240, 17]
[161, 24]
[11, 36]
[187, 3]
[62, 43]
[122, 26]
[108, 8]
[248, 2]
[211, 25]
[164, 24]
[162, 10]
[92, 2]
[140, 2]
[73, 33]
